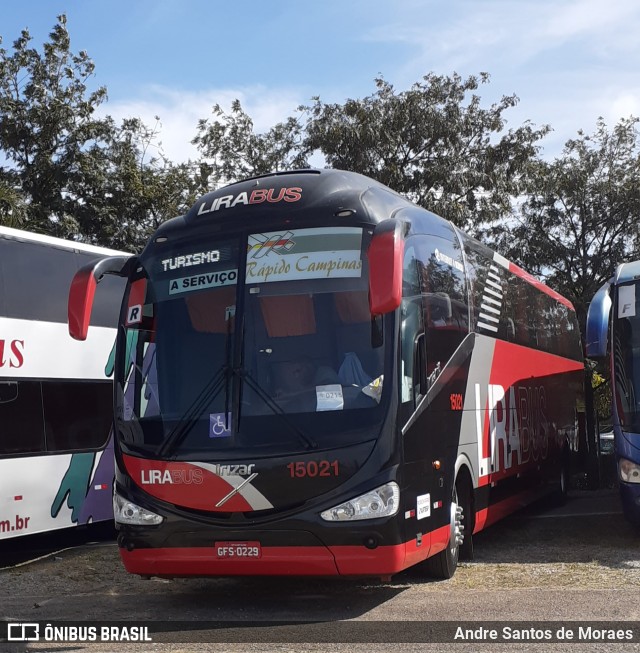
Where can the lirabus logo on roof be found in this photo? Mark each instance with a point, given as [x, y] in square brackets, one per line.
[256, 196]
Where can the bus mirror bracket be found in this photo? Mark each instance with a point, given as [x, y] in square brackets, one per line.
[598, 317]
[385, 254]
[83, 289]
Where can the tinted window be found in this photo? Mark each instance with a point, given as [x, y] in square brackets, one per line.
[77, 414]
[478, 268]
[626, 355]
[51, 416]
[444, 297]
[507, 307]
[21, 426]
[36, 280]
[412, 321]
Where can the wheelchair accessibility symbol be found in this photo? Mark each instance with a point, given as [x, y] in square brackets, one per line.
[217, 426]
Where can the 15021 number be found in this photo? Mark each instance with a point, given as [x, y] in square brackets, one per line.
[312, 468]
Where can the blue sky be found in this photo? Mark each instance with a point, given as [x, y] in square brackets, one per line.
[569, 61]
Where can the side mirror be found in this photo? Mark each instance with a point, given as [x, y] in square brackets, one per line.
[83, 290]
[598, 323]
[385, 254]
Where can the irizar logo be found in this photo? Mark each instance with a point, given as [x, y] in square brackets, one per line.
[233, 470]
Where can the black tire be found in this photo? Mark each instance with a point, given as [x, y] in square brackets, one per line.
[559, 497]
[444, 564]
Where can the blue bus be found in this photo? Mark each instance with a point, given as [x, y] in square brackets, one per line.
[613, 332]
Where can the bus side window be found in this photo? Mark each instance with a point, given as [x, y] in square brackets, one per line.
[21, 417]
[444, 297]
[77, 414]
[420, 380]
[55, 270]
[412, 329]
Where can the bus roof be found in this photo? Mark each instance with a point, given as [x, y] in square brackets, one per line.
[18, 234]
[627, 272]
[334, 191]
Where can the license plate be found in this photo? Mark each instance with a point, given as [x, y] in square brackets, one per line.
[238, 549]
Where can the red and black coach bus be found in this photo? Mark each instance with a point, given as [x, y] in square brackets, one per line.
[317, 377]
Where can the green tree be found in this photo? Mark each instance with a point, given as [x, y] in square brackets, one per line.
[434, 143]
[81, 177]
[231, 149]
[125, 187]
[579, 218]
[12, 205]
[46, 119]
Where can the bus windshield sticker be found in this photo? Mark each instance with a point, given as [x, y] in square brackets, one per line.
[134, 315]
[319, 253]
[202, 281]
[218, 427]
[329, 397]
[374, 389]
[423, 505]
[627, 301]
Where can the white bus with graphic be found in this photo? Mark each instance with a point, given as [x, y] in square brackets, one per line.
[56, 449]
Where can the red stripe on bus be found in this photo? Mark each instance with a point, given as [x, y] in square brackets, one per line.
[529, 278]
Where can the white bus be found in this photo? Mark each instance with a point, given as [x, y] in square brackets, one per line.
[56, 451]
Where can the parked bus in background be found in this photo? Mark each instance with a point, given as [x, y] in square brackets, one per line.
[315, 376]
[56, 455]
[613, 332]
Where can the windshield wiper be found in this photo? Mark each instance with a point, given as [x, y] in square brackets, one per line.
[208, 393]
[274, 406]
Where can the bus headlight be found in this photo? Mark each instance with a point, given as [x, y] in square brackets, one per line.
[629, 471]
[127, 512]
[384, 501]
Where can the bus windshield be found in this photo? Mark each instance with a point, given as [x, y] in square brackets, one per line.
[281, 357]
[626, 356]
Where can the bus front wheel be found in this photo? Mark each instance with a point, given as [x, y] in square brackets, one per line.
[443, 565]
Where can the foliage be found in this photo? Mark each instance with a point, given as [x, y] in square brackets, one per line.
[46, 118]
[12, 205]
[579, 218]
[126, 187]
[67, 172]
[435, 144]
[80, 177]
[233, 151]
